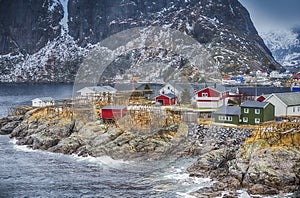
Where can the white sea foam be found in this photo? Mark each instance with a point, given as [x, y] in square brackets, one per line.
[104, 160]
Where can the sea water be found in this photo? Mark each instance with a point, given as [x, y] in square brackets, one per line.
[32, 173]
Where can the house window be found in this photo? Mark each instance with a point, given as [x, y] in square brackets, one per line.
[204, 94]
[169, 88]
[298, 109]
[294, 109]
[246, 110]
[257, 120]
[257, 111]
[245, 119]
[225, 118]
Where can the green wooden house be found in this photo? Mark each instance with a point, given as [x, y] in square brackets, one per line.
[255, 112]
[228, 114]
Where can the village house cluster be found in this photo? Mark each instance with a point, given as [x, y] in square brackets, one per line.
[238, 104]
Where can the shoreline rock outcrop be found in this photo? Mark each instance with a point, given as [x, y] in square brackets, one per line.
[230, 156]
[253, 165]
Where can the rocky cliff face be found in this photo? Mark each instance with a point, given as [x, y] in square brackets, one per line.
[46, 40]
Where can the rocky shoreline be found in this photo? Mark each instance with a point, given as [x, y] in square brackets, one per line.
[223, 152]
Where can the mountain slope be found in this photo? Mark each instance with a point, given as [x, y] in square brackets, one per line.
[285, 45]
[46, 40]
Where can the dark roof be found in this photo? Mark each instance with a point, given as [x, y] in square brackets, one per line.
[229, 110]
[155, 87]
[219, 88]
[254, 104]
[290, 99]
[114, 107]
[170, 95]
[257, 91]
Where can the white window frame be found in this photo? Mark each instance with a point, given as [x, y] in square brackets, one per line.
[257, 120]
[204, 94]
[246, 110]
[245, 119]
[257, 111]
[225, 118]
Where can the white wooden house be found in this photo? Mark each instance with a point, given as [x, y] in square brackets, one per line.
[286, 104]
[96, 90]
[171, 88]
[43, 102]
[177, 89]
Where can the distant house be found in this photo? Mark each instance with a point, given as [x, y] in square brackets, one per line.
[96, 90]
[228, 114]
[254, 112]
[212, 97]
[43, 102]
[244, 93]
[261, 98]
[167, 99]
[275, 74]
[296, 76]
[286, 104]
[178, 89]
[113, 112]
[261, 73]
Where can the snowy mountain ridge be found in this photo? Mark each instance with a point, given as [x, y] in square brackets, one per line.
[56, 35]
[284, 43]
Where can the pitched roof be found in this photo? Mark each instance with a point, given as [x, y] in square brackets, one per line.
[290, 99]
[102, 88]
[45, 98]
[114, 107]
[257, 91]
[218, 88]
[255, 104]
[170, 95]
[229, 110]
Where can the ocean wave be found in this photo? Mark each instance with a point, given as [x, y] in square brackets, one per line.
[104, 160]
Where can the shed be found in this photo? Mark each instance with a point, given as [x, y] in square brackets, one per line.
[228, 114]
[113, 112]
[43, 102]
[167, 99]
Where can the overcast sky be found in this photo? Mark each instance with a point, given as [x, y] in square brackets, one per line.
[267, 14]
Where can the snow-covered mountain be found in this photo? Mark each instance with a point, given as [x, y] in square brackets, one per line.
[47, 40]
[284, 44]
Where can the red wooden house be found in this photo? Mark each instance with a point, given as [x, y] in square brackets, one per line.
[113, 112]
[212, 97]
[167, 99]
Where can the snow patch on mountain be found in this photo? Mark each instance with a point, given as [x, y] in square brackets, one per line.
[284, 45]
[280, 39]
[64, 21]
[52, 6]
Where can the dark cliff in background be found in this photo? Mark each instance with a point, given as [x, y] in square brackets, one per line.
[45, 40]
